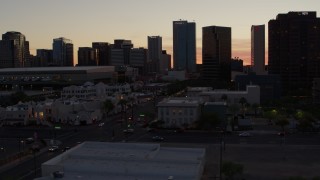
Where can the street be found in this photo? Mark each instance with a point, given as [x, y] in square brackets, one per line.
[261, 147]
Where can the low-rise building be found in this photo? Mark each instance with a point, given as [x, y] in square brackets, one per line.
[251, 95]
[118, 161]
[195, 91]
[179, 112]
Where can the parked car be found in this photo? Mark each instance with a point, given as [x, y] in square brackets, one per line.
[128, 130]
[65, 149]
[157, 138]
[29, 140]
[101, 124]
[53, 148]
[281, 133]
[245, 134]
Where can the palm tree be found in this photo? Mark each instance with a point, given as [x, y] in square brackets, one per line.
[131, 99]
[243, 101]
[234, 109]
[282, 121]
[123, 104]
[108, 106]
[255, 107]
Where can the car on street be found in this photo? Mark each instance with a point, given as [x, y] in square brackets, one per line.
[53, 148]
[29, 140]
[101, 124]
[245, 134]
[128, 130]
[281, 133]
[65, 149]
[157, 138]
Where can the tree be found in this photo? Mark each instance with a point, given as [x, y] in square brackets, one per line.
[108, 106]
[305, 120]
[271, 115]
[255, 107]
[234, 109]
[230, 169]
[131, 100]
[243, 102]
[282, 121]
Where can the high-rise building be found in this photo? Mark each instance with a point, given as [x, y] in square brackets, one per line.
[258, 49]
[14, 50]
[45, 57]
[294, 44]
[154, 48]
[165, 62]
[138, 59]
[126, 46]
[103, 53]
[87, 56]
[154, 53]
[216, 53]
[184, 46]
[62, 52]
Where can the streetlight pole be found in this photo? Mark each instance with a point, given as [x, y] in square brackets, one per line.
[221, 146]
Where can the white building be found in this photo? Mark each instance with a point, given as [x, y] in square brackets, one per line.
[252, 95]
[100, 90]
[179, 112]
[195, 91]
[119, 161]
[18, 114]
[84, 92]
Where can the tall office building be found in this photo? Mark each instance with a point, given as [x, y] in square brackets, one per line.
[294, 49]
[103, 49]
[258, 49]
[184, 46]
[14, 50]
[87, 56]
[154, 47]
[216, 53]
[62, 52]
[154, 53]
[165, 62]
[126, 46]
[45, 57]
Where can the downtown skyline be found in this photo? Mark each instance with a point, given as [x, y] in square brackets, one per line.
[85, 22]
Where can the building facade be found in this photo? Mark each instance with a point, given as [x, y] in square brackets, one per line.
[14, 50]
[179, 112]
[216, 53]
[45, 57]
[103, 49]
[62, 52]
[294, 43]
[184, 46]
[258, 49]
[87, 56]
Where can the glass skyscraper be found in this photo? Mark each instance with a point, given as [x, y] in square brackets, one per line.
[258, 49]
[14, 50]
[62, 52]
[216, 53]
[184, 46]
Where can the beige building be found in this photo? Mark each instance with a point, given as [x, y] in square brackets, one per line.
[179, 112]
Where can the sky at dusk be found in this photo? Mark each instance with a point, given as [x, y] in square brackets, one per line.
[86, 21]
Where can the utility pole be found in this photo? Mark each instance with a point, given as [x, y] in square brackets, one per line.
[221, 146]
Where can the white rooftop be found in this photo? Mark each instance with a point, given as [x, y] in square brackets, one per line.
[179, 102]
[126, 161]
[60, 68]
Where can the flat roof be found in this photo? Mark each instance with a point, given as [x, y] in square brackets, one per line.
[136, 161]
[179, 102]
[62, 68]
